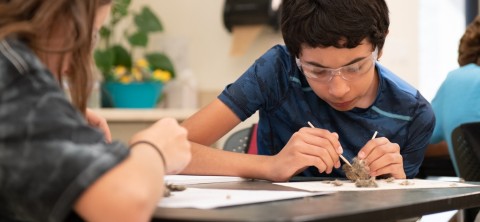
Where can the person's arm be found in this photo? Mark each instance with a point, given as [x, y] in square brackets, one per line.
[128, 192]
[131, 190]
[307, 147]
[437, 149]
[207, 126]
[210, 123]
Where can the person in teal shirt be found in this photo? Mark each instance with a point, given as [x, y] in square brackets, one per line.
[457, 100]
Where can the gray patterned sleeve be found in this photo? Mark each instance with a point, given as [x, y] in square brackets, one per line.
[48, 153]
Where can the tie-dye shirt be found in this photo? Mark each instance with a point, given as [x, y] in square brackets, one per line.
[276, 87]
[48, 153]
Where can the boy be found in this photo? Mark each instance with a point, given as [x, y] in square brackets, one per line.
[327, 74]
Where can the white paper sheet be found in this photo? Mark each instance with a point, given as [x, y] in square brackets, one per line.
[194, 179]
[213, 198]
[316, 186]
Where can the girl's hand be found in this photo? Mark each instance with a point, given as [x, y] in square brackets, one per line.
[99, 122]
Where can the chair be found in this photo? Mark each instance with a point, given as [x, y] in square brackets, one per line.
[243, 141]
[466, 149]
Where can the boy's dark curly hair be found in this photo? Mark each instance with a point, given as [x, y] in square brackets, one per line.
[338, 23]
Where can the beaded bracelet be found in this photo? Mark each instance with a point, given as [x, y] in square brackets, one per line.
[155, 147]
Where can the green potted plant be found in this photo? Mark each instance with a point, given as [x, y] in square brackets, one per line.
[130, 82]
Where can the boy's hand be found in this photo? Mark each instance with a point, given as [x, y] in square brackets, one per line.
[383, 157]
[307, 147]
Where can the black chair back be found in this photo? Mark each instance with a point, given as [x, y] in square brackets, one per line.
[238, 141]
[466, 148]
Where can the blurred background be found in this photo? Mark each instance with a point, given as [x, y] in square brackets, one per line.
[421, 46]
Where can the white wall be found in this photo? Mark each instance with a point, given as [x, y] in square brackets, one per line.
[442, 24]
[402, 45]
[199, 24]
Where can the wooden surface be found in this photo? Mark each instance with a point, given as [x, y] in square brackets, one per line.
[124, 123]
[143, 115]
[387, 205]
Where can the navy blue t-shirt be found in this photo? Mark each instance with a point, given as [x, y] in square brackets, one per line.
[276, 87]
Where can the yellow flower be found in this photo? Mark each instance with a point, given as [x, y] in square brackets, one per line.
[142, 63]
[125, 79]
[137, 74]
[162, 75]
[120, 71]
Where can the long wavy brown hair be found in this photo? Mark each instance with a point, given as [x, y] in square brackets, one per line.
[469, 48]
[35, 21]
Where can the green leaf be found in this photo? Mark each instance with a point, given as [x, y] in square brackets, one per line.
[104, 32]
[120, 9]
[122, 57]
[104, 60]
[147, 21]
[138, 39]
[160, 61]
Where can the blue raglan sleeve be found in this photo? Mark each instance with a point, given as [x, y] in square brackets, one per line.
[419, 133]
[244, 96]
[261, 87]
